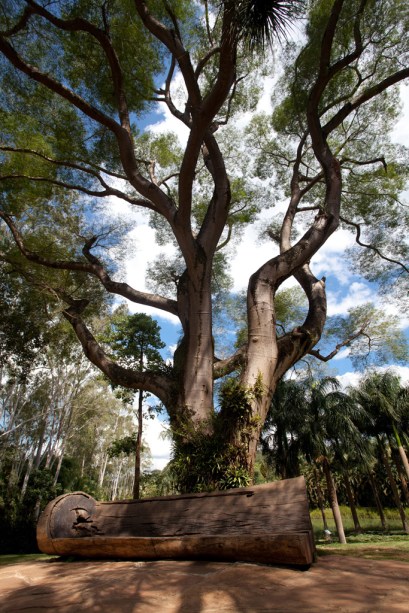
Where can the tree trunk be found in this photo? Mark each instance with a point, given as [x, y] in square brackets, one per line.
[351, 501]
[320, 498]
[394, 489]
[194, 356]
[102, 470]
[116, 480]
[38, 456]
[262, 355]
[60, 459]
[27, 476]
[137, 477]
[377, 501]
[333, 500]
[402, 452]
[402, 476]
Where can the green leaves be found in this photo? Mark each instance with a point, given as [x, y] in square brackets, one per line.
[134, 340]
[373, 337]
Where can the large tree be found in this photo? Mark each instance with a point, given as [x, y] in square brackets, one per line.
[77, 77]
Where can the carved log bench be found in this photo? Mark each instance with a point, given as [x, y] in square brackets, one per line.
[266, 523]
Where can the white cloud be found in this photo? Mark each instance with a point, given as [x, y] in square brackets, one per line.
[250, 255]
[344, 353]
[172, 349]
[330, 258]
[353, 378]
[142, 249]
[349, 378]
[358, 293]
[160, 446]
[168, 122]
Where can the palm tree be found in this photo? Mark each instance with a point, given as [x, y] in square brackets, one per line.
[280, 438]
[260, 21]
[324, 401]
[385, 400]
[315, 419]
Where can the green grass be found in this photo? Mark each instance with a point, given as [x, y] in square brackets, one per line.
[372, 543]
[19, 558]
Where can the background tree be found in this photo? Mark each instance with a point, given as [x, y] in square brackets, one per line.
[71, 92]
[384, 399]
[135, 341]
[57, 425]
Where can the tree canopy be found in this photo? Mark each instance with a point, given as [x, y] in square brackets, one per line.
[78, 81]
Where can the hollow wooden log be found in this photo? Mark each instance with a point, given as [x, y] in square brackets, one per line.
[266, 523]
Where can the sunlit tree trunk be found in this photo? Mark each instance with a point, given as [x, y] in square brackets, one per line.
[402, 474]
[116, 479]
[395, 492]
[320, 498]
[402, 451]
[333, 500]
[137, 476]
[103, 467]
[27, 475]
[378, 502]
[351, 500]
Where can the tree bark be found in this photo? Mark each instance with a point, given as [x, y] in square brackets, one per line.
[137, 476]
[377, 501]
[333, 501]
[402, 452]
[102, 470]
[402, 476]
[351, 501]
[320, 498]
[194, 356]
[27, 475]
[395, 492]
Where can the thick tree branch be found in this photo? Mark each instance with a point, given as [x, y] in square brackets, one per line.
[365, 96]
[93, 267]
[82, 25]
[52, 84]
[296, 344]
[230, 364]
[147, 380]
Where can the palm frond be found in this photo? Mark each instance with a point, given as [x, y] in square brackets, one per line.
[260, 21]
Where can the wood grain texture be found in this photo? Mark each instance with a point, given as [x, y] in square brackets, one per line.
[267, 523]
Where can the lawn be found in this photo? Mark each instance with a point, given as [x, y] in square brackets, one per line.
[17, 558]
[373, 543]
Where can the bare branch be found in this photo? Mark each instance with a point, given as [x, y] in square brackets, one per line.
[372, 247]
[316, 352]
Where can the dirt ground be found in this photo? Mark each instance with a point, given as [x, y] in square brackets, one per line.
[334, 583]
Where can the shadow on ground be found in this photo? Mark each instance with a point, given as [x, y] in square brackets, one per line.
[333, 584]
